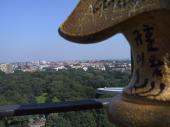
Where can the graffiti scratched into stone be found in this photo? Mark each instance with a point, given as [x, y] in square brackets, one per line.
[156, 65]
[149, 38]
[138, 37]
[145, 24]
[104, 4]
[144, 37]
[140, 59]
[141, 85]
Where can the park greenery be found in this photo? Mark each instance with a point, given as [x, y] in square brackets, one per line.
[58, 86]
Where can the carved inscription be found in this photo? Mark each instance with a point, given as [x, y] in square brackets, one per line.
[149, 38]
[138, 37]
[145, 37]
[104, 4]
[156, 65]
[140, 59]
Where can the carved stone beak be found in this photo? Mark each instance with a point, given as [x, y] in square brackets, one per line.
[95, 20]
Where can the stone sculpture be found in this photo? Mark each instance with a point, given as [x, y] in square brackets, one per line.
[145, 102]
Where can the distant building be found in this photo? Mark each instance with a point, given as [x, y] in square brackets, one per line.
[7, 68]
[102, 68]
[85, 68]
[60, 68]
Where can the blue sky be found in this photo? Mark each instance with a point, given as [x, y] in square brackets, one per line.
[29, 31]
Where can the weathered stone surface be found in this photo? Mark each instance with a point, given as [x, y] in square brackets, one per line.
[146, 25]
[96, 20]
[149, 40]
[128, 113]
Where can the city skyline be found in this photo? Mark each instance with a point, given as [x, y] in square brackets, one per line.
[114, 65]
[29, 32]
[67, 61]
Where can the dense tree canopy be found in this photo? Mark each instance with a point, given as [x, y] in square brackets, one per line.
[55, 86]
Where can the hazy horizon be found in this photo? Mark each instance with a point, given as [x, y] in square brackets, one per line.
[29, 32]
[64, 60]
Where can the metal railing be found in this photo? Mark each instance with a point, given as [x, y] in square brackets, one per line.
[46, 108]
